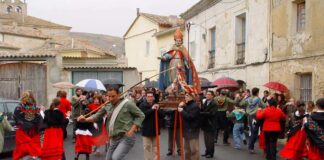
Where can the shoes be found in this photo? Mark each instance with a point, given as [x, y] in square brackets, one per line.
[204, 155]
[169, 153]
[244, 142]
[209, 156]
[226, 143]
[238, 148]
[251, 151]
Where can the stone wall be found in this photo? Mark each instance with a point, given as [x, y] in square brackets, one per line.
[288, 72]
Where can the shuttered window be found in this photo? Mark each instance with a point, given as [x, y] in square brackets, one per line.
[306, 87]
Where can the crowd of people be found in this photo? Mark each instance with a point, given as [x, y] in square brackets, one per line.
[249, 118]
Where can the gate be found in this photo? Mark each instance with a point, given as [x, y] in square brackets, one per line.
[15, 78]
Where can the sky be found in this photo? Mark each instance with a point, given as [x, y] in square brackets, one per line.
[111, 17]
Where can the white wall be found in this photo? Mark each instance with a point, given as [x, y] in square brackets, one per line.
[223, 17]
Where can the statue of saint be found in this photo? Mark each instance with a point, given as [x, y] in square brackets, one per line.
[184, 71]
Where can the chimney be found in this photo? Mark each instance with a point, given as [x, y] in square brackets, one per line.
[138, 11]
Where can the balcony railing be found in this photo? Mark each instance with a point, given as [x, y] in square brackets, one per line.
[240, 49]
[211, 62]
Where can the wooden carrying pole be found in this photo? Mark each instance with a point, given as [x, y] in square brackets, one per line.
[157, 138]
[181, 139]
[101, 106]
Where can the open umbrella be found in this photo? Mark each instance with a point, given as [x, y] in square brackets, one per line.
[91, 84]
[112, 82]
[276, 86]
[63, 85]
[226, 83]
[205, 83]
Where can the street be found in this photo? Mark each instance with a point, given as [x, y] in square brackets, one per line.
[221, 152]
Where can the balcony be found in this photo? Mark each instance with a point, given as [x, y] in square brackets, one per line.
[240, 56]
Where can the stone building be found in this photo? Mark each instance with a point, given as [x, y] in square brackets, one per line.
[230, 39]
[147, 38]
[35, 53]
[297, 44]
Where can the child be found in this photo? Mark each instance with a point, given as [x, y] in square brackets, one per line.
[238, 131]
[83, 144]
[54, 120]
[101, 136]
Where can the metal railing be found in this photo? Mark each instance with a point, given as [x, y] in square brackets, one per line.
[211, 61]
[240, 50]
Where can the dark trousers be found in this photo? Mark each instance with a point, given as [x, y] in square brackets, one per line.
[170, 140]
[64, 128]
[223, 124]
[271, 144]
[254, 129]
[209, 142]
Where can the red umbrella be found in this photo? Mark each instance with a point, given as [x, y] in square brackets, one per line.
[276, 86]
[226, 83]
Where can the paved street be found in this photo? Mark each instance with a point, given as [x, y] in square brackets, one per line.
[221, 152]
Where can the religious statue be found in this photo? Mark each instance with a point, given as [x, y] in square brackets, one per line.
[184, 72]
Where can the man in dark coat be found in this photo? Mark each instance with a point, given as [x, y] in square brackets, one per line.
[208, 123]
[148, 128]
[190, 112]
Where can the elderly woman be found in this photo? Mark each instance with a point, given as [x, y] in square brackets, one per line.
[190, 112]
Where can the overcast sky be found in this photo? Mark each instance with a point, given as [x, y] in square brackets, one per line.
[112, 17]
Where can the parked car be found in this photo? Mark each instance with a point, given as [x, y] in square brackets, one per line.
[8, 108]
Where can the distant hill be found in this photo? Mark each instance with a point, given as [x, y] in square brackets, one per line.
[102, 41]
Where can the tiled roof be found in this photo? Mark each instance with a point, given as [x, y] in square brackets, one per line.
[27, 54]
[66, 42]
[96, 67]
[198, 8]
[27, 32]
[8, 46]
[165, 21]
[23, 20]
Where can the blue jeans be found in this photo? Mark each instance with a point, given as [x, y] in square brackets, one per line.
[118, 148]
[238, 134]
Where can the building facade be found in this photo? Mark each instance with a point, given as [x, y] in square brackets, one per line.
[230, 39]
[36, 53]
[147, 38]
[298, 47]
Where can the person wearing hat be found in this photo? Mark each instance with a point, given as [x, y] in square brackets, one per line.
[222, 102]
[124, 119]
[179, 59]
[190, 112]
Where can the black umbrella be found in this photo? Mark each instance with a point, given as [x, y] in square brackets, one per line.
[205, 83]
[111, 82]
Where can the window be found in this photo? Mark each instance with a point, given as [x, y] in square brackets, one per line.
[2, 109]
[18, 9]
[211, 63]
[192, 50]
[147, 52]
[240, 38]
[9, 9]
[306, 87]
[301, 16]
